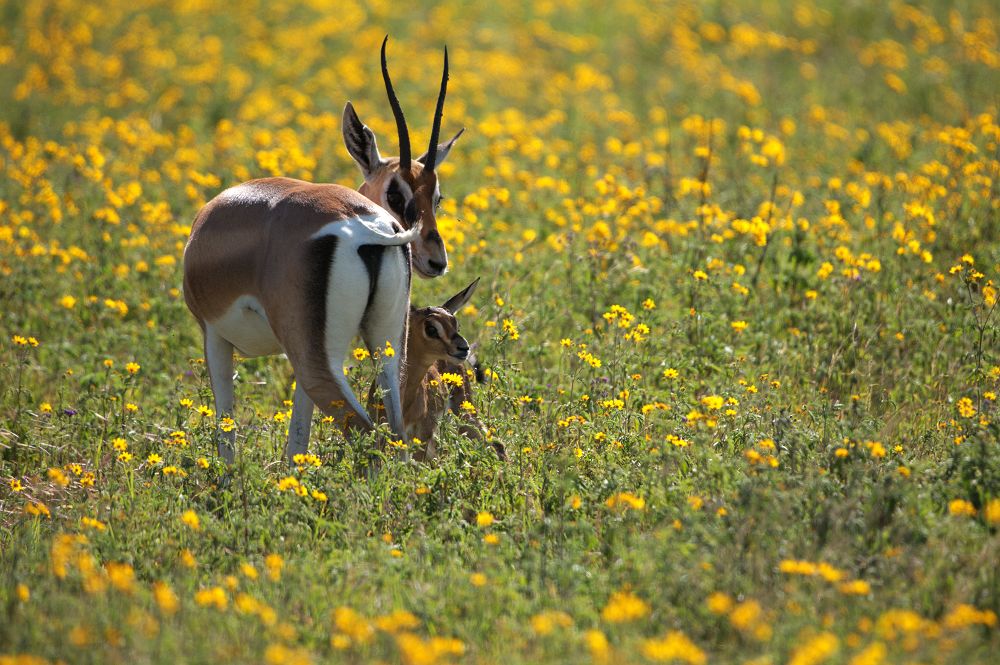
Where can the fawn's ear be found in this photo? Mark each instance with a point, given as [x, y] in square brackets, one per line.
[459, 300]
[360, 142]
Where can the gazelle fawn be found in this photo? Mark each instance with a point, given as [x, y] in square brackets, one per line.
[436, 376]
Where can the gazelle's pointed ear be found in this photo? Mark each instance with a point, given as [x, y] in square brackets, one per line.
[443, 149]
[459, 300]
[360, 142]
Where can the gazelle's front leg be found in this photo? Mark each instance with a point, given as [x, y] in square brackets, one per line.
[219, 358]
[301, 423]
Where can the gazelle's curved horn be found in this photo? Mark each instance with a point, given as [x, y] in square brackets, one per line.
[404, 135]
[436, 127]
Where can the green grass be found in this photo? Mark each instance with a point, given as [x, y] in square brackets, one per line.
[819, 485]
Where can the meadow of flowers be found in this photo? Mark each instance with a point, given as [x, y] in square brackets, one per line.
[738, 314]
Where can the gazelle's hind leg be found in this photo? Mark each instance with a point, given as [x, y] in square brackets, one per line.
[301, 423]
[385, 321]
[219, 358]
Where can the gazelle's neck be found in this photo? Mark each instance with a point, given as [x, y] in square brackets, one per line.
[416, 370]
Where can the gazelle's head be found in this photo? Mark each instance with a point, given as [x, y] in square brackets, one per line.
[406, 187]
[433, 333]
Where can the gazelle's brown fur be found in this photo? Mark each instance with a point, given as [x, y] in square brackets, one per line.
[434, 347]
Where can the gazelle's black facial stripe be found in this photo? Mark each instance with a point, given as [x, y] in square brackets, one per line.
[441, 334]
[397, 195]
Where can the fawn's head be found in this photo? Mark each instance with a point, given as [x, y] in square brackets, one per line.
[434, 332]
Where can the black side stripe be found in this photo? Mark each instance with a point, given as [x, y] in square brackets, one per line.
[320, 261]
[408, 261]
[371, 255]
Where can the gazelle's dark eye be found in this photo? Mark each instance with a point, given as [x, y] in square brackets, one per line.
[395, 201]
[430, 330]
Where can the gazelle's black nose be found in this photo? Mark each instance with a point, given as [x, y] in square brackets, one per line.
[437, 266]
[461, 351]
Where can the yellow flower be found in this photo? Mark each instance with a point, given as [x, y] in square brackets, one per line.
[58, 477]
[92, 523]
[739, 326]
[815, 650]
[624, 606]
[353, 625]
[597, 644]
[212, 597]
[625, 500]
[855, 588]
[360, 353]
[961, 508]
[484, 519]
[132, 368]
[991, 511]
[121, 576]
[510, 328]
[187, 558]
[712, 402]
[452, 379]
[274, 564]
[190, 518]
[544, 623]
[719, 603]
[965, 408]
[674, 646]
[21, 340]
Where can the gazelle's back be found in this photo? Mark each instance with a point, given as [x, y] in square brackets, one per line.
[260, 223]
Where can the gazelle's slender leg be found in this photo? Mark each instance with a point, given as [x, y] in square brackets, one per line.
[386, 322]
[219, 357]
[301, 423]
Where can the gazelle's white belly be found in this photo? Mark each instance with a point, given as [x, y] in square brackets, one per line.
[246, 327]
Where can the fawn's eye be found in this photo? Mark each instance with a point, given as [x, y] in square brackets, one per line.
[430, 330]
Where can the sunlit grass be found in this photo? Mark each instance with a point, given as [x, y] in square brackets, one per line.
[738, 319]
